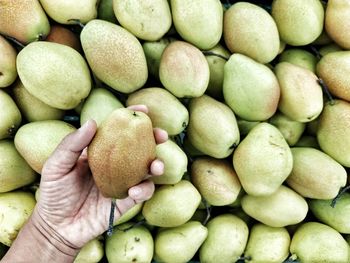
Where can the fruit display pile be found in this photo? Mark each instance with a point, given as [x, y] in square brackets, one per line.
[255, 98]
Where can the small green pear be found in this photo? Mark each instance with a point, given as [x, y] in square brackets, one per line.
[299, 57]
[128, 215]
[307, 141]
[105, 11]
[10, 116]
[8, 71]
[91, 252]
[332, 47]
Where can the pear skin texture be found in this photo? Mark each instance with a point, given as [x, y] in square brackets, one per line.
[227, 238]
[125, 70]
[164, 109]
[91, 252]
[183, 70]
[199, 22]
[334, 69]
[62, 35]
[10, 116]
[54, 73]
[263, 160]
[121, 152]
[299, 57]
[36, 141]
[333, 134]
[8, 71]
[218, 135]
[250, 30]
[25, 20]
[337, 22]
[250, 88]
[317, 242]
[299, 22]
[301, 95]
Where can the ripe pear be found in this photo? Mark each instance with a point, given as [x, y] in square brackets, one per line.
[98, 105]
[179, 244]
[216, 180]
[210, 120]
[25, 20]
[10, 116]
[334, 70]
[250, 30]
[324, 50]
[282, 208]
[301, 95]
[132, 245]
[263, 160]
[60, 34]
[333, 134]
[172, 205]
[125, 70]
[198, 22]
[121, 152]
[8, 71]
[164, 109]
[105, 11]
[250, 88]
[15, 209]
[91, 252]
[307, 141]
[299, 22]
[227, 238]
[267, 244]
[128, 215]
[316, 242]
[299, 57]
[36, 141]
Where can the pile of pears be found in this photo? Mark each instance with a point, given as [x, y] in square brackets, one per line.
[255, 98]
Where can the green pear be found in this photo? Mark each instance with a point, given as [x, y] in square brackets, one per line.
[98, 105]
[91, 252]
[301, 95]
[299, 57]
[307, 141]
[226, 241]
[250, 30]
[334, 70]
[125, 70]
[128, 215]
[8, 71]
[10, 116]
[36, 141]
[245, 126]
[198, 22]
[250, 88]
[299, 22]
[282, 208]
[333, 134]
[148, 19]
[129, 244]
[316, 242]
[179, 244]
[267, 244]
[210, 120]
[216, 180]
[263, 160]
[15, 209]
[164, 109]
[172, 205]
[105, 11]
[183, 70]
[290, 129]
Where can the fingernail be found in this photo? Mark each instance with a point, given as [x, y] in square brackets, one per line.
[136, 191]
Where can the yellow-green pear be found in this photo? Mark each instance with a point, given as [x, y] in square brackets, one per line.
[307, 141]
[299, 22]
[8, 71]
[148, 19]
[250, 30]
[36, 141]
[183, 70]
[198, 22]
[114, 55]
[91, 252]
[263, 160]
[179, 244]
[226, 241]
[267, 244]
[301, 95]
[10, 116]
[333, 134]
[127, 244]
[128, 215]
[105, 11]
[216, 180]
[15, 209]
[164, 109]
[212, 128]
[334, 70]
[317, 242]
[172, 205]
[250, 88]
[299, 57]
[332, 47]
[282, 208]
[315, 174]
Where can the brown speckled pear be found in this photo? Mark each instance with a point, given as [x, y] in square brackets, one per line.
[121, 152]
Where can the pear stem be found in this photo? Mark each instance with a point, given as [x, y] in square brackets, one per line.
[208, 208]
[15, 41]
[316, 52]
[77, 21]
[326, 91]
[341, 192]
[244, 258]
[210, 53]
[111, 218]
